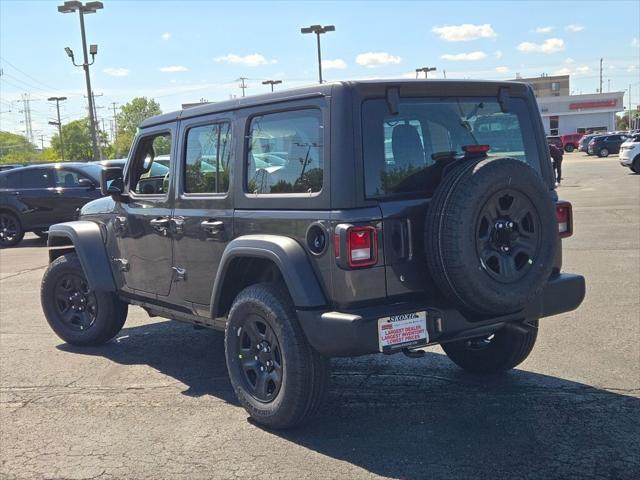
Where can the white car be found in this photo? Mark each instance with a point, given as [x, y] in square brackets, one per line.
[630, 153]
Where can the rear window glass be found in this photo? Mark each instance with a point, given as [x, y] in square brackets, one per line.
[408, 152]
[285, 153]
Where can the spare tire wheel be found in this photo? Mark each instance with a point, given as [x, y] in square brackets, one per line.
[491, 235]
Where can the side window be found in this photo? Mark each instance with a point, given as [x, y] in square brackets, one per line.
[207, 159]
[68, 178]
[285, 153]
[35, 178]
[145, 176]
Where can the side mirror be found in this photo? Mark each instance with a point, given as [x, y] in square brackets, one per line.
[86, 183]
[112, 181]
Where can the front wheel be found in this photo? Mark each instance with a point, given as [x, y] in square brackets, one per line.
[76, 313]
[500, 351]
[568, 148]
[603, 152]
[277, 376]
[635, 166]
[11, 231]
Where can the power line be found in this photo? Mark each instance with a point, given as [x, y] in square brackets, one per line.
[29, 76]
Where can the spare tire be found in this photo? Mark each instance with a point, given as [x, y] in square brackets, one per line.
[491, 235]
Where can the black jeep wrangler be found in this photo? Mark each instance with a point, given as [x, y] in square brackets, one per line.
[336, 220]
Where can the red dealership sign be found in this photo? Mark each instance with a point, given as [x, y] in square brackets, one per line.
[596, 104]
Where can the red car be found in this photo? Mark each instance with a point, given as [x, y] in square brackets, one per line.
[570, 141]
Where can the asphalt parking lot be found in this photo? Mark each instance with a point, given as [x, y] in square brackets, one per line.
[156, 402]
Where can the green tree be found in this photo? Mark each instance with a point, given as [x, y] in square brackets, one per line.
[622, 120]
[130, 116]
[16, 149]
[77, 141]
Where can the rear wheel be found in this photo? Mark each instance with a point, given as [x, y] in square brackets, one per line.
[11, 231]
[76, 313]
[568, 148]
[277, 376]
[603, 152]
[502, 350]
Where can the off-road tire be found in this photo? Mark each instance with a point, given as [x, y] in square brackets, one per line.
[569, 148]
[635, 165]
[505, 350]
[603, 152]
[110, 315]
[451, 228]
[305, 373]
[19, 232]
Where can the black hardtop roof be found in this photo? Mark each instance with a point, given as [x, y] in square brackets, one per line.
[50, 165]
[456, 87]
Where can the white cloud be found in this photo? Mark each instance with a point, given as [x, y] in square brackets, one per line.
[498, 54]
[116, 72]
[551, 45]
[174, 69]
[252, 60]
[165, 36]
[464, 32]
[635, 43]
[583, 70]
[574, 28]
[631, 68]
[563, 71]
[464, 57]
[376, 59]
[337, 64]
[544, 29]
[569, 61]
[502, 69]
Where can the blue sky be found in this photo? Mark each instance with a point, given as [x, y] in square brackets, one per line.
[181, 51]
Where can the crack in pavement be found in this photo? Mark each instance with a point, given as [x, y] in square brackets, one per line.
[22, 272]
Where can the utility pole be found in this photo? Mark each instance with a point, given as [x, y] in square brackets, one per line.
[58, 123]
[444, 73]
[629, 106]
[318, 30]
[89, 7]
[27, 117]
[272, 83]
[115, 122]
[601, 75]
[242, 85]
[41, 141]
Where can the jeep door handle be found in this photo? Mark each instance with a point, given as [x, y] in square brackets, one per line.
[212, 226]
[160, 225]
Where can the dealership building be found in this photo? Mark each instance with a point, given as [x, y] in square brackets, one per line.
[564, 113]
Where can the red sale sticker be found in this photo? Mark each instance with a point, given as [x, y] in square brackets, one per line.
[402, 331]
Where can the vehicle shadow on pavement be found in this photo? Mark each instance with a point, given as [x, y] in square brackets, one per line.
[423, 418]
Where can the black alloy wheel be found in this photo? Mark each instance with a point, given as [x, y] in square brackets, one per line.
[260, 358]
[75, 302]
[508, 235]
[10, 230]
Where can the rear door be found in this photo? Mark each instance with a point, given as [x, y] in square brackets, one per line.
[34, 190]
[203, 214]
[407, 154]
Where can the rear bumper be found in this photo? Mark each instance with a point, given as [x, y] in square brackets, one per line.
[355, 332]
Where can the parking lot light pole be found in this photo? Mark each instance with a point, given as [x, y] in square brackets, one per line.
[89, 7]
[318, 30]
[272, 83]
[426, 71]
[58, 123]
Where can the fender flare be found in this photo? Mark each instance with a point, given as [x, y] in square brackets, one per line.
[86, 239]
[290, 258]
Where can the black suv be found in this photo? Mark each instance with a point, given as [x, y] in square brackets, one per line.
[33, 198]
[603, 145]
[336, 220]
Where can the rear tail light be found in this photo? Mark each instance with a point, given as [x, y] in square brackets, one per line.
[476, 148]
[362, 246]
[564, 215]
